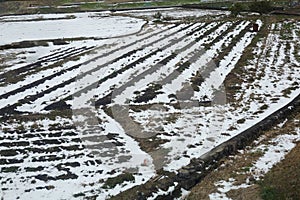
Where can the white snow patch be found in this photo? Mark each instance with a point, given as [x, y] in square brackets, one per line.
[83, 25]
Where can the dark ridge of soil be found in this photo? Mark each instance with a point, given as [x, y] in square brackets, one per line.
[60, 105]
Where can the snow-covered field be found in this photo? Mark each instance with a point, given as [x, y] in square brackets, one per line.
[122, 98]
[59, 26]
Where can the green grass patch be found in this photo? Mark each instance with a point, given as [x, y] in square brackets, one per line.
[283, 181]
[270, 193]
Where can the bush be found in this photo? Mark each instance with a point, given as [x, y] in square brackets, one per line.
[157, 15]
[270, 193]
[236, 8]
[261, 7]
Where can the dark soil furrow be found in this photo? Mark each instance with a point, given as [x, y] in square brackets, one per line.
[63, 106]
[57, 53]
[94, 85]
[107, 99]
[37, 66]
[77, 66]
[197, 79]
[201, 75]
[180, 67]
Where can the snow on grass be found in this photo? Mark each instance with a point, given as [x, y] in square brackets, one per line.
[272, 76]
[224, 187]
[83, 25]
[274, 152]
[161, 192]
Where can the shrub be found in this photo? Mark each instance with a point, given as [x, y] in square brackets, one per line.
[261, 7]
[157, 15]
[270, 193]
[236, 8]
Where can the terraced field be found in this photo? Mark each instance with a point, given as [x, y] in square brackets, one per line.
[90, 116]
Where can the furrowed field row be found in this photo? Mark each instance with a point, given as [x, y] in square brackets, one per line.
[101, 55]
[76, 67]
[184, 65]
[129, 53]
[154, 66]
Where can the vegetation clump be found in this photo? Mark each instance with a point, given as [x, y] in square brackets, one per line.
[236, 9]
[261, 7]
[157, 15]
[112, 182]
[149, 93]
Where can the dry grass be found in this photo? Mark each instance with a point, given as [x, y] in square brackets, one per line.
[283, 180]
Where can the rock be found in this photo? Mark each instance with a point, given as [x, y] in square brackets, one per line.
[164, 184]
[183, 173]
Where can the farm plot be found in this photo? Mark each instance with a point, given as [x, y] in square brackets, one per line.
[176, 14]
[90, 115]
